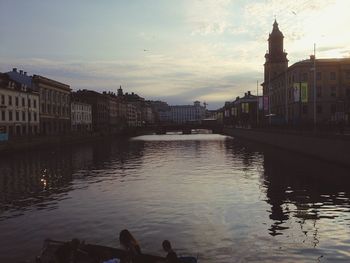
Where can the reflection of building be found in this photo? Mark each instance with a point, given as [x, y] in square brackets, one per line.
[81, 116]
[290, 90]
[19, 108]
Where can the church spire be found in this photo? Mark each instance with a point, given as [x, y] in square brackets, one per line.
[276, 59]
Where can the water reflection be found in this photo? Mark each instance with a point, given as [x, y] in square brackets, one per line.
[42, 178]
[304, 189]
[29, 179]
[209, 194]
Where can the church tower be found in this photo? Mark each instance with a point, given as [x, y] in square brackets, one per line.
[276, 60]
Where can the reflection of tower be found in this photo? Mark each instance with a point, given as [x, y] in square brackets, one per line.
[276, 60]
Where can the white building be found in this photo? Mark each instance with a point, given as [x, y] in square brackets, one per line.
[186, 113]
[81, 116]
[19, 108]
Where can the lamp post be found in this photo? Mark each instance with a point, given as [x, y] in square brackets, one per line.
[315, 120]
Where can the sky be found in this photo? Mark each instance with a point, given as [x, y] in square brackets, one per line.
[177, 51]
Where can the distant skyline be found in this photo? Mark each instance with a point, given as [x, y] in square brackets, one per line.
[176, 51]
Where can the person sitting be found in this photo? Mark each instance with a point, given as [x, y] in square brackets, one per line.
[171, 257]
[131, 246]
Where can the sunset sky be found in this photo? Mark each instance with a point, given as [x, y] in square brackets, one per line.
[174, 50]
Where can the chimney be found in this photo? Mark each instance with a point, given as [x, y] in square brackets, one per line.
[14, 69]
[312, 57]
[21, 72]
[25, 73]
[248, 93]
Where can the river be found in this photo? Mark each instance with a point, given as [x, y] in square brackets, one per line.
[217, 197]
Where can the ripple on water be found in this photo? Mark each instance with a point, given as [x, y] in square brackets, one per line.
[209, 194]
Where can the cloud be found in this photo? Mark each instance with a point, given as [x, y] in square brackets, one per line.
[215, 55]
[208, 16]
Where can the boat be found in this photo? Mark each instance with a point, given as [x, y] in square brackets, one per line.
[76, 251]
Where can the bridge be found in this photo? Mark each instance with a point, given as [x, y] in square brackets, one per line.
[185, 128]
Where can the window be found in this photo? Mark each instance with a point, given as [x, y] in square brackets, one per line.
[17, 116]
[23, 102]
[2, 99]
[319, 109]
[23, 116]
[10, 100]
[333, 76]
[333, 91]
[29, 116]
[305, 109]
[10, 115]
[319, 92]
[3, 115]
[35, 116]
[29, 103]
[16, 101]
[34, 102]
[319, 75]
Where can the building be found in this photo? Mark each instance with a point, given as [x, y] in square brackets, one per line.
[245, 111]
[99, 107]
[54, 101]
[148, 115]
[132, 115]
[113, 111]
[299, 94]
[19, 108]
[55, 109]
[81, 116]
[183, 113]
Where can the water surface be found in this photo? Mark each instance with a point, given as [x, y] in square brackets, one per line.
[227, 200]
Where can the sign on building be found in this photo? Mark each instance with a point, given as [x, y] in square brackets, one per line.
[245, 107]
[304, 93]
[296, 92]
[266, 103]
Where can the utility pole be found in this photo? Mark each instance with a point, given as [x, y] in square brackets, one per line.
[269, 94]
[286, 95]
[257, 103]
[315, 122]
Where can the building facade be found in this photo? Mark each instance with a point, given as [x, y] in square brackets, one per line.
[99, 107]
[55, 109]
[312, 91]
[81, 117]
[19, 108]
[187, 113]
[243, 112]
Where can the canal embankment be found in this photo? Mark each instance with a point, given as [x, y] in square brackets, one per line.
[328, 147]
[43, 142]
